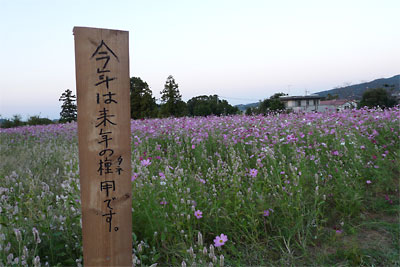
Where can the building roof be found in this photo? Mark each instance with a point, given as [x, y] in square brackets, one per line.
[305, 97]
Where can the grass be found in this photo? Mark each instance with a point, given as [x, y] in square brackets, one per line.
[292, 189]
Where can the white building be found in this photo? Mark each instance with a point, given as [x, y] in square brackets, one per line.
[336, 105]
[306, 103]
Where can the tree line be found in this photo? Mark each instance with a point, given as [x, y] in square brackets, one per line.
[144, 105]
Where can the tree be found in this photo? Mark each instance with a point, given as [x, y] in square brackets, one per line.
[331, 97]
[249, 111]
[172, 104]
[37, 120]
[143, 104]
[272, 104]
[68, 108]
[275, 103]
[228, 109]
[16, 121]
[209, 105]
[199, 106]
[377, 97]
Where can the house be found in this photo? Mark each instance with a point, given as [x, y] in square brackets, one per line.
[336, 105]
[301, 103]
[396, 97]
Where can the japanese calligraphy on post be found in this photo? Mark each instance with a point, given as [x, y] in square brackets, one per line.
[102, 80]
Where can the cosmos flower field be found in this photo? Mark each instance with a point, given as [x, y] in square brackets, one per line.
[226, 191]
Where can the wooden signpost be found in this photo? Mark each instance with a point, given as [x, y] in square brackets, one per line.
[102, 83]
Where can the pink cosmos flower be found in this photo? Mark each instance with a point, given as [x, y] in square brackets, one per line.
[259, 163]
[198, 214]
[146, 162]
[193, 146]
[162, 175]
[134, 176]
[163, 202]
[253, 172]
[220, 240]
[267, 212]
[369, 182]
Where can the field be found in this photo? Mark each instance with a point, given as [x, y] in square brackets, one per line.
[288, 189]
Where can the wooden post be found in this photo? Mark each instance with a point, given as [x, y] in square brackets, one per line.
[102, 83]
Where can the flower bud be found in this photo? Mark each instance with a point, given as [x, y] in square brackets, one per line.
[36, 261]
[200, 239]
[221, 260]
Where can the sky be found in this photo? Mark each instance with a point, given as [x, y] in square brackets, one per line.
[243, 51]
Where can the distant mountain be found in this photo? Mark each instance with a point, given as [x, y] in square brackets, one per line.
[356, 91]
[243, 107]
[353, 92]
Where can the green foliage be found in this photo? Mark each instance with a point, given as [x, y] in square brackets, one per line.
[181, 108]
[68, 109]
[209, 105]
[36, 120]
[377, 97]
[249, 111]
[45, 193]
[172, 100]
[331, 97]
[16, 121]
[143, 104]
[273, 104]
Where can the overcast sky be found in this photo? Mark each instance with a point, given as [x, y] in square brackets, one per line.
[243, 51]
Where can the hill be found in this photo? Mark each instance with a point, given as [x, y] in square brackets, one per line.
[243, 107]
[353, 92]
[356, 91]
